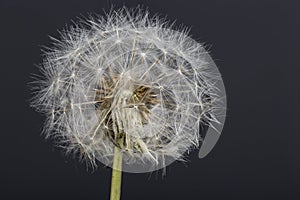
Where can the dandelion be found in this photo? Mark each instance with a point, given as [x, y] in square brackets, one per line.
[127, 90]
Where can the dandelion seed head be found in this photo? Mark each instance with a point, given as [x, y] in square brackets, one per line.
[126, 75]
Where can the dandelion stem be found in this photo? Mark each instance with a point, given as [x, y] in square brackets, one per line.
[116, 177]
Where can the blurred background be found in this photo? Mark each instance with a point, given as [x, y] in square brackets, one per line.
[256, 47]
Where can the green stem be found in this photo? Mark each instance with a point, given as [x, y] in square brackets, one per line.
[116, 178]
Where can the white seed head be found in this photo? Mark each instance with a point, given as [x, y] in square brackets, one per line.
[130, 76]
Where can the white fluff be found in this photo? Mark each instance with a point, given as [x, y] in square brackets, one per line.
[127, 49]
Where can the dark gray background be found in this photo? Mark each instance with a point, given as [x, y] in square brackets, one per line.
[255, 45]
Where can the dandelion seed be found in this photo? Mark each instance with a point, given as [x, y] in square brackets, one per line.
[130, 83]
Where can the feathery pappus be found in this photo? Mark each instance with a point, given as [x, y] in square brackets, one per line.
[127, 80]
